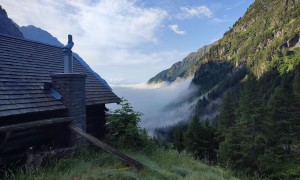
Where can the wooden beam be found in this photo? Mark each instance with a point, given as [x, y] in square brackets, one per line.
[107, 148]
[34, 124]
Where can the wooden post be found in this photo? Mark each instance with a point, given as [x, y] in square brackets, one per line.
[107, 148]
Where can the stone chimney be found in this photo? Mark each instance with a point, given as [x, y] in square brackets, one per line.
[72, 88]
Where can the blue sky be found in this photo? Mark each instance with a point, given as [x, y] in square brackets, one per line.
[129, 41]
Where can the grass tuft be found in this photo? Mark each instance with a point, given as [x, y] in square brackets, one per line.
[89, 164]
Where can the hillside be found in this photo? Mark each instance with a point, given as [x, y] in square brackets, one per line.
[268, 31]
[160, 164]
[247, 114]
[266, 38]
[181, 69]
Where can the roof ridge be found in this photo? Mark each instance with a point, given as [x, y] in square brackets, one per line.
[29, 40]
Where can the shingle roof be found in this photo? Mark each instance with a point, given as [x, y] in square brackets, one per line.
[24, 67]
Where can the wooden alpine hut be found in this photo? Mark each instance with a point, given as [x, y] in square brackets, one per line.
[43, 88]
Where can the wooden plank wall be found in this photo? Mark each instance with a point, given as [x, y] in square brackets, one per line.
[95, 120]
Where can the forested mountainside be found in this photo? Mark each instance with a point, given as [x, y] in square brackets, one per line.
[268, 31]
[181, 69]
[7, 26]
[249, 82]
[265, 40]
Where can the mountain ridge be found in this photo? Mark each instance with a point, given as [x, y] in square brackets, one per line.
[8, 26]
[256, 37]
[265, 39]
[180, 69]
[37, 34]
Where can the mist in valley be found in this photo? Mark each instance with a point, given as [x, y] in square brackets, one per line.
[162, 104]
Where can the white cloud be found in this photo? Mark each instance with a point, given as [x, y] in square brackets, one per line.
[175, 29]
[101, 30]
[116, 81]
[122, 66]
[155, 102]
[199, 11]
[131, 57]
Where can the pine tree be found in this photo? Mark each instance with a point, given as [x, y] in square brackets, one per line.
[226, 118]
[283, 116]
[192, 138]
[211, 143]
[230, 152]
[243, 142]
[200, 140]
[178, 140]
[296, 86]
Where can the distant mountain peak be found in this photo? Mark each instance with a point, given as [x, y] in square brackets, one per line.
[37, 34]
[8, 26]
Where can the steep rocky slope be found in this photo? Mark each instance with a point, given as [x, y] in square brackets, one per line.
[265, 38]
[268, 31]
[181, 69]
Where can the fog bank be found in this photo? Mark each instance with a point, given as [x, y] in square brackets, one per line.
[156, 102]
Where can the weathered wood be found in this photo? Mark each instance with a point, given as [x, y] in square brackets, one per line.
[107, 148]
[21, 144]
[36, 158]
[4, 139]
[92, 126]
[22, 126]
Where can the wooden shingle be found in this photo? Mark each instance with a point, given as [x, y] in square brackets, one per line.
[25, 65]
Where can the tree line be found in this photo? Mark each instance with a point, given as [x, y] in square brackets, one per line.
[257, 130]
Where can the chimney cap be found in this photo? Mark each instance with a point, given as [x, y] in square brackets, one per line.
[70, 42]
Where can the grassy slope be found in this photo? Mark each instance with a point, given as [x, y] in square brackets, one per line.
[160, 164]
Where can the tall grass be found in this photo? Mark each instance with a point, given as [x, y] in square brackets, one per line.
[89, 164]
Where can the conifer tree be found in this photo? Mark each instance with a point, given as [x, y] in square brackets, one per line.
[210, 139]
[243, 143]
[192, 138]
[226, 118]
[283, 116]
[178, 140]
[230, 152]
[296, 86]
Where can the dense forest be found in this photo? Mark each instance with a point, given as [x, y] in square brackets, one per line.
[254, 74]
[257, 130]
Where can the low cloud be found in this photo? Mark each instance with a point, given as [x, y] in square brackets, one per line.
[156, 101]
[98, 27]
[200, 11]
[175, 29]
